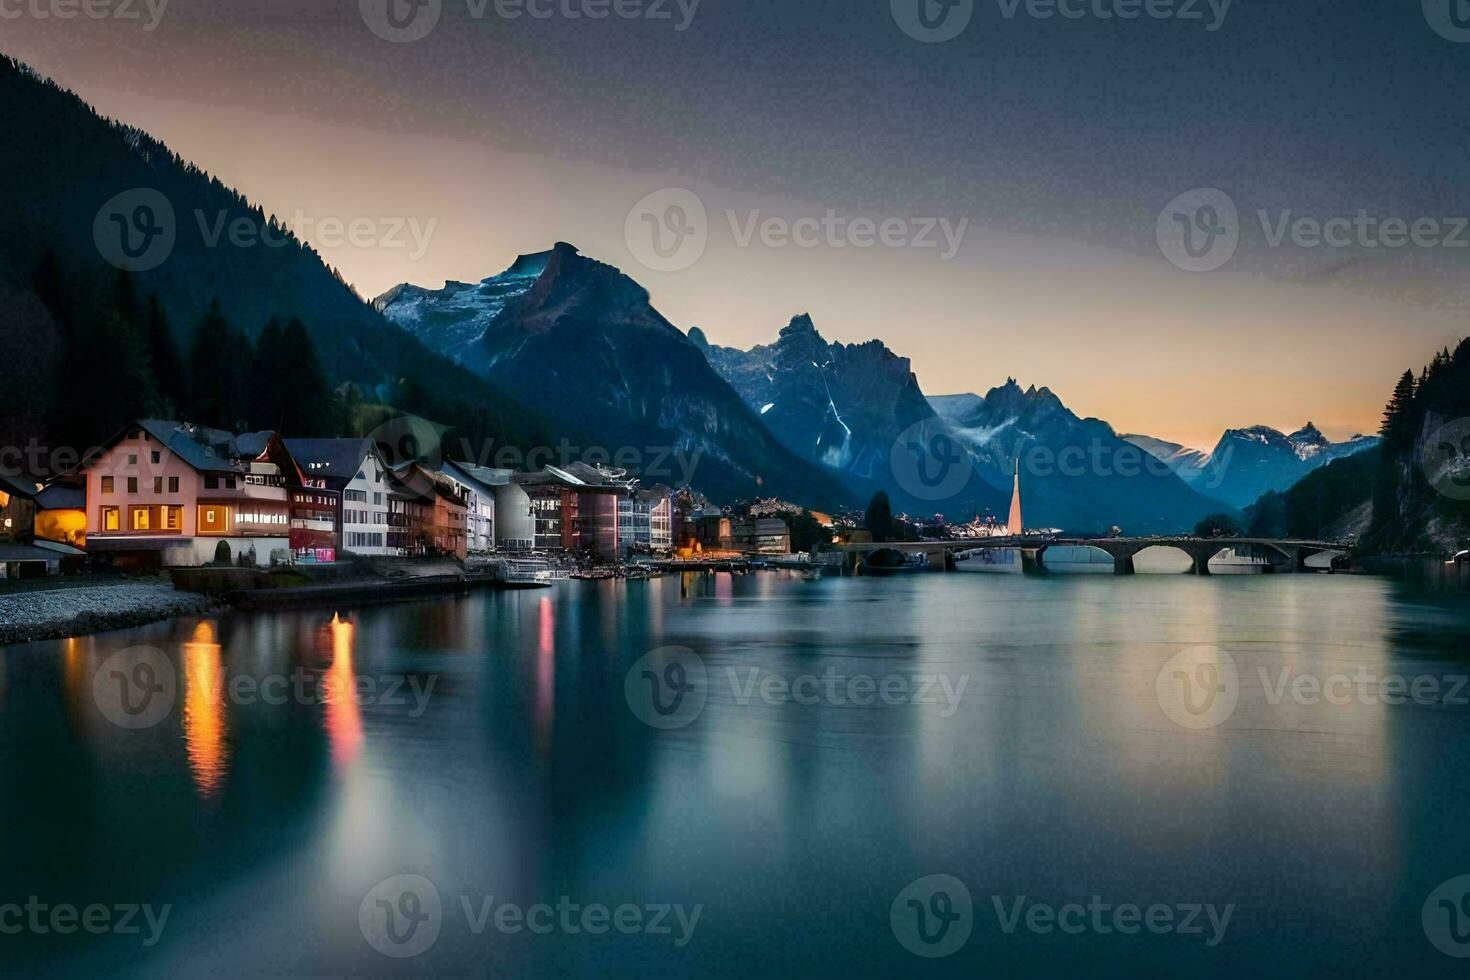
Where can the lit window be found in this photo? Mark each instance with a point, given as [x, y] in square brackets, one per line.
[109, 519]
[140, 518]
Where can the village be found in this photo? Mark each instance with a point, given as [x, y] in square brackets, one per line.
[165, 495]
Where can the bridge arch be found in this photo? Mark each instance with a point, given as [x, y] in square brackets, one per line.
[1181, 558]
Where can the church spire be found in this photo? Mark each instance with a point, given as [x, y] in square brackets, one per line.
[1014, 526]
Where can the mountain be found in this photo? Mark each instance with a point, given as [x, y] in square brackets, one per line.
[1248, 463]
[1421, 497]
[1076, 474]
[852, 408]
[1190, 465]
[1332, 503]
[77, 181]
[841, 405]
[582, 340]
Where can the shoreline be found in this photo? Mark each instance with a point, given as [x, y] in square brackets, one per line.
[54, 614]
[51, 613]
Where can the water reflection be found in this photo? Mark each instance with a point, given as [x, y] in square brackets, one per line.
[545, 676]
[1058, 774]
[343, 716]
[204, 714]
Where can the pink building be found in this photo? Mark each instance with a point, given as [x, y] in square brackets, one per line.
[170, 493]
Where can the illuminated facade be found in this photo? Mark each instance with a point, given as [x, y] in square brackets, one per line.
[170, 493]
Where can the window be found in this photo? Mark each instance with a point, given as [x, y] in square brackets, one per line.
[107, 484]
[132, 484]
[211, 483]
[173, 484]
[158, 484]
[229, 483]
[213, 520]
[140, 518]
[156, 458]
[109, 519]
[132, 459]
[173, 518]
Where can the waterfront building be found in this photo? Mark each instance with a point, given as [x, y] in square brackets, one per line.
[761, 535]
[165, 493]
[427, 514]
[355, 470]
[645, 522]
[42, 527]
[575, 508]
[477, 485]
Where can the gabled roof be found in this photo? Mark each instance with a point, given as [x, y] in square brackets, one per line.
[18, 485]
[483, 479]
[339, 459]
[60, 496]
[415, 482]
[206, 450]
[578, 475]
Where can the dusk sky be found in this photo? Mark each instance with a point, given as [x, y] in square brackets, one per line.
[1055, 143]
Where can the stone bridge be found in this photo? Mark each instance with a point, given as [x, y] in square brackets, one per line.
[1294, 553]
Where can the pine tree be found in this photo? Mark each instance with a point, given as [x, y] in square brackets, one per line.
[269, 385]
[1399, 409]
[218, 367]
[312, 408]
[168, 367]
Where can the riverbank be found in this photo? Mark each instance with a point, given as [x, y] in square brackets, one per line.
[53, 613]
[58, 607]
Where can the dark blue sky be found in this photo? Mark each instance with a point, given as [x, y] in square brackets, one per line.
[1059, 140]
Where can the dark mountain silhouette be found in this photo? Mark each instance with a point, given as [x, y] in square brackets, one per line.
[1076, 474]
[1332, 503]
[843, 406]
[577, 336]
[75, 182]
[1247, 463]
[1421, 494]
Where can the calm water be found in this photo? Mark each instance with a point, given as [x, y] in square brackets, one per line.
[498, 754]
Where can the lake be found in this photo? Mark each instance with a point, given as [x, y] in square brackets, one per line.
[706, 775]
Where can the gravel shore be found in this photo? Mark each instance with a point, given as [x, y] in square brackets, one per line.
[46, 615]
